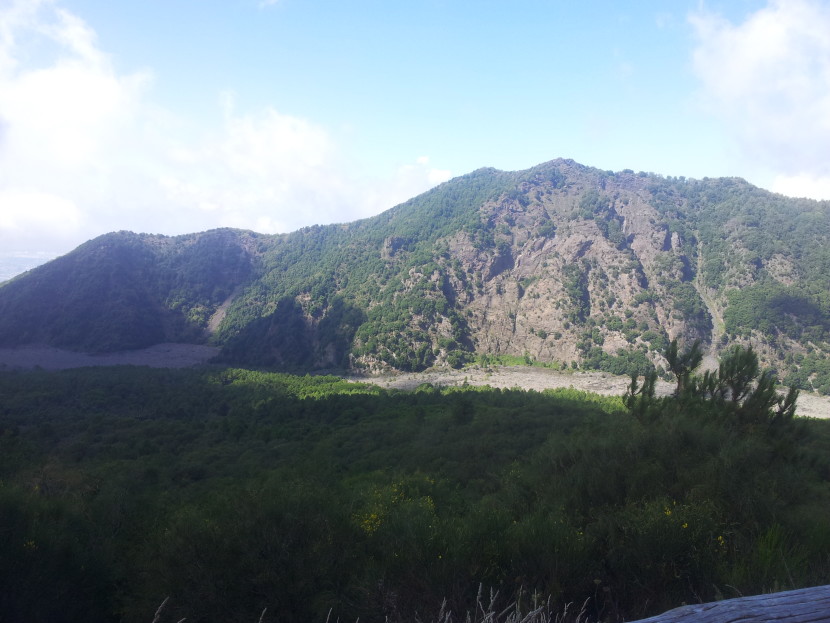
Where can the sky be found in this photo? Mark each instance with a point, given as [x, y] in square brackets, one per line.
[179, 116]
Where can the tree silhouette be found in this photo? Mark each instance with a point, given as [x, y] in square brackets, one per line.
[682, 365]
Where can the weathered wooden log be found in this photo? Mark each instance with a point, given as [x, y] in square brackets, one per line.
[805, 605]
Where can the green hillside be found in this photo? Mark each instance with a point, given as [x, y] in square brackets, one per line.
[124, 290]
[560, 264]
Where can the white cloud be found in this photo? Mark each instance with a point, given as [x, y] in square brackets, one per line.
[62, 123]
[407, 181]
[266, 171]
[36, 220]
[22, 208]
[802, 185]
[64, 111]
[433, 176]
[273, 172]
[84, 151]
[768, 80]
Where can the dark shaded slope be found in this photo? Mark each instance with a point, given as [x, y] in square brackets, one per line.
[123, 291]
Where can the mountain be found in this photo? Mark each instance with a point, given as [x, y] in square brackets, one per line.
[124, 291]
[562, 264]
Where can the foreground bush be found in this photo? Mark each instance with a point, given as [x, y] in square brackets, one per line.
[232, 492]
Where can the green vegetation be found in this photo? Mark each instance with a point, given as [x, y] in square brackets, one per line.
[810, 371]
[772, 308]
[625, 362]
[767, 256]
[232, 491]
[575, 283]
[420, 284]
[124, 290]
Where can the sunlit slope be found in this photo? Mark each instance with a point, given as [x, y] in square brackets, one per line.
[561, 263]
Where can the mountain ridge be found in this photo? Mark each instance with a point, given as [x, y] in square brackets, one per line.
[561, 263]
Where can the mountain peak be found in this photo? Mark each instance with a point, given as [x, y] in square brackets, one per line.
[562, 264]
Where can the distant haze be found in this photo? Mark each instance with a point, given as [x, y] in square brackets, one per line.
[16, 264]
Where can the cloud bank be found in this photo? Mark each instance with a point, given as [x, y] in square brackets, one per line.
[768, 80]
[85, 150]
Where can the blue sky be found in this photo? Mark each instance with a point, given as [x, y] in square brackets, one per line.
[180, 116]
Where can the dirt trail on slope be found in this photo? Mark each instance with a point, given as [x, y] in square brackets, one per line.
[710, 359]
[221, 311]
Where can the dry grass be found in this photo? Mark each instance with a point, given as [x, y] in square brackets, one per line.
[488, 611]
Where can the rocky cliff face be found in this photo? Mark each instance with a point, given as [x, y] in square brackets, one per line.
[571, 267]
[561, 263]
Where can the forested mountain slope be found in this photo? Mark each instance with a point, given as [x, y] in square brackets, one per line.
[561, 263]
[126, 290]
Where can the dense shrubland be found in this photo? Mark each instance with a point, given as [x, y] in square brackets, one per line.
[231, 491]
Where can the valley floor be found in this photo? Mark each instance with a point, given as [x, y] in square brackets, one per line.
[528, 377]
[524, 377]
[157, 356]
